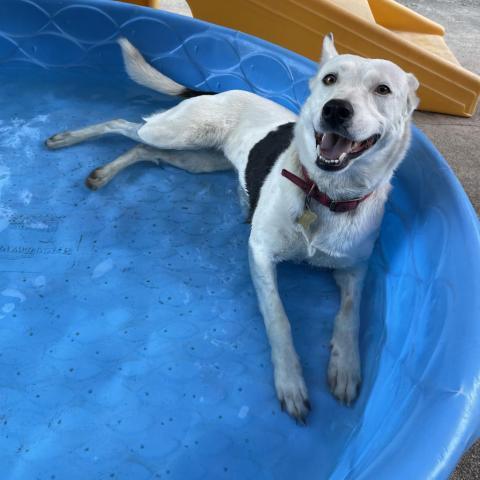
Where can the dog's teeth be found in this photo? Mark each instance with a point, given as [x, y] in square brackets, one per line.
[342, 156]
[318, 151]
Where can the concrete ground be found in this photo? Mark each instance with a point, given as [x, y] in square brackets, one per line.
[458, 139]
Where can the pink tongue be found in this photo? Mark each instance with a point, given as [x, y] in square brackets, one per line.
[333, 145]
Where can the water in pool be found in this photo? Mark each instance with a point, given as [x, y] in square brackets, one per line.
[131, 345]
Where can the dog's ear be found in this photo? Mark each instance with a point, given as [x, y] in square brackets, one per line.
[412, 99]
[328, 50]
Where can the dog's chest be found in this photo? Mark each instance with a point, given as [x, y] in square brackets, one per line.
[336, 240]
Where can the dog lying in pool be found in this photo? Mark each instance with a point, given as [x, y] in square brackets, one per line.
[315, 185]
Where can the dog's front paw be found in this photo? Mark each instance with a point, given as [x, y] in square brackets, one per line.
[292, 393]
[344, 375]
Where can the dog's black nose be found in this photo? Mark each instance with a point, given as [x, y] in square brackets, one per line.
[337, 112]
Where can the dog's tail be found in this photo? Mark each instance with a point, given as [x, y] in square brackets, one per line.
[141, 72]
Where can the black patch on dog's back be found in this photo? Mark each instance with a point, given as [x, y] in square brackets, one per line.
[262, 158]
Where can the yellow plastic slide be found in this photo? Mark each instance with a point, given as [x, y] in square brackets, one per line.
[371, 28]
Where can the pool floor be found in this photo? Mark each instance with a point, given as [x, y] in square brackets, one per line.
[131, 344]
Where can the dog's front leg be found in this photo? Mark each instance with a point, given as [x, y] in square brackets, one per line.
[289, 382]
[344, 373]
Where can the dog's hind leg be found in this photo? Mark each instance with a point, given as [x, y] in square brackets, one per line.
[196, 161]
[68, 138]
[197, 123]
[102, 175]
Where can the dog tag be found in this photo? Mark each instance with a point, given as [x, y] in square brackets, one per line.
[306, 219]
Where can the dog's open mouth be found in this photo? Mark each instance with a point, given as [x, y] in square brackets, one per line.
[335, 152]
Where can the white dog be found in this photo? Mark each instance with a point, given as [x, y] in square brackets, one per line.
[315, 185]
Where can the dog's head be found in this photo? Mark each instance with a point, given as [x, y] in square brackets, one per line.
[355, 117]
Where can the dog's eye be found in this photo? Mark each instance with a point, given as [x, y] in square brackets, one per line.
[383, 89]
[329, 79]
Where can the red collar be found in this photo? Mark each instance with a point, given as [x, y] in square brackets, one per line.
[312, 191]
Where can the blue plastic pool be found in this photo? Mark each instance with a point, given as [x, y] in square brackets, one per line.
[131, 345]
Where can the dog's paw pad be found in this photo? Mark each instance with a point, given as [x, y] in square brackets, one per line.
[344, 377]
